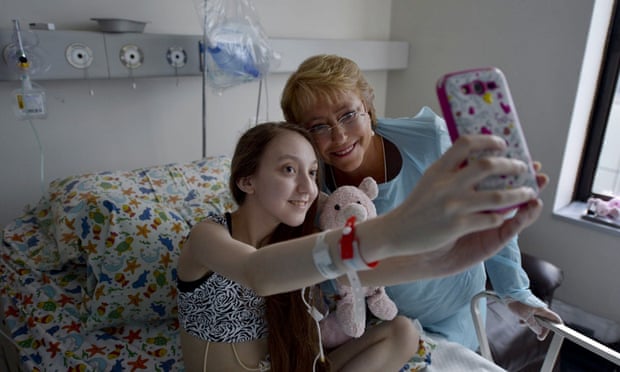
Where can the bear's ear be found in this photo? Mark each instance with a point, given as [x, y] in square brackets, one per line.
[369, 187]
[321, 202]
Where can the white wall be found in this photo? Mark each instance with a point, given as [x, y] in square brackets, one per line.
[158, 122]
[539, 45]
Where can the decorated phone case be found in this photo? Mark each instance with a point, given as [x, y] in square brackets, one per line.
[478, 101]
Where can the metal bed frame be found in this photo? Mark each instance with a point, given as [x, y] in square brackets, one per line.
[559, 332]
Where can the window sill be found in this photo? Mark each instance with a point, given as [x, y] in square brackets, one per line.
[575, 213]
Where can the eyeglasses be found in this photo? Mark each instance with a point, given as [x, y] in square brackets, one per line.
[347, 121]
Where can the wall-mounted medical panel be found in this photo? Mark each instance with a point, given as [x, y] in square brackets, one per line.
[55, 55]
[368, 54]
[97, 55]
[149, 55]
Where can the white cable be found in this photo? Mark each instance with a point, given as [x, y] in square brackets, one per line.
[41, 157]
[262, 86]
[260, 89]
[316, 359]
[203, 52]
[317, 316]
[266, 100]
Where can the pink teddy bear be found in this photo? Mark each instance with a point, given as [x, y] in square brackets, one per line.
[336, 209]
[607, 208]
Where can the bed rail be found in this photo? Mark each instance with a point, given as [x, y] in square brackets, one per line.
[560, 332]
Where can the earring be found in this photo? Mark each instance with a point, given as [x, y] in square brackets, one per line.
[372, 132]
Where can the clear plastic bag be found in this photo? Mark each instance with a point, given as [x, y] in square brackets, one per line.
[237, 49]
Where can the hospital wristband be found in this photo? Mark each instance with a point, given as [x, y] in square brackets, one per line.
[323, 260]
[350, 251]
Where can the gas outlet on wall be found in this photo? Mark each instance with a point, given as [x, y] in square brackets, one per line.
[79, 55]
[131, 56]
[176, 56]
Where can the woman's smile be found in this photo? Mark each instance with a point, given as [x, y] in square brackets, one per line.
[345, 152]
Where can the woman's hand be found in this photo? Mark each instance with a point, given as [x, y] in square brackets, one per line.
[527, 315]
[445, 210]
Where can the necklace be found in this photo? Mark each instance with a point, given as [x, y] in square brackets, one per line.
[385, 176]
[385, 172]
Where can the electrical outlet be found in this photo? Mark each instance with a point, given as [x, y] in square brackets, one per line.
[176, 56]
[8, 52]
[131, 56]
[79, 55]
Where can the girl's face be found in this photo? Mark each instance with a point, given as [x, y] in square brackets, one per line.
[346, 143]
[285, 185]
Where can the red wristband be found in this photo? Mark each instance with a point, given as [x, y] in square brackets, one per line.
[349, 248]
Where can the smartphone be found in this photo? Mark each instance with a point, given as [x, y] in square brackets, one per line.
[478, 101]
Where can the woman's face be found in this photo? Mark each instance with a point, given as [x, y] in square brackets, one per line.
[285, 184]
[343, 146]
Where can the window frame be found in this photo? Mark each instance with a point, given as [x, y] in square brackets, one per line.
[603, 100]
[566, 206]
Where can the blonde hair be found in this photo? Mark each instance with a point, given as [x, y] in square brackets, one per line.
[322, 78]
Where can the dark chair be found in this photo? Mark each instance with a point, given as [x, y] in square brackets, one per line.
[512, 345]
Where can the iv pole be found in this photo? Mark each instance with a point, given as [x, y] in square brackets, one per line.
[203, 64]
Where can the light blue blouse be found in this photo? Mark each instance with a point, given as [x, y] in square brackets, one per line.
[442, 305]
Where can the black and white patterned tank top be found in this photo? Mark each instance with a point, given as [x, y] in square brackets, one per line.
[217, 309]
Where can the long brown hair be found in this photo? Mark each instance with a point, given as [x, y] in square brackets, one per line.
[293, 339]
[322, 78]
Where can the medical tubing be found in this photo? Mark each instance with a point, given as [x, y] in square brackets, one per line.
[41, 157]
[260, 88]
[317, 316]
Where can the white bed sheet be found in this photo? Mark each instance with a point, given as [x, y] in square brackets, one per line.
[453, 357]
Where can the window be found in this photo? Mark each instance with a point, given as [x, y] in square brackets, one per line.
[599, 172]
[590, 173]
[600, 165]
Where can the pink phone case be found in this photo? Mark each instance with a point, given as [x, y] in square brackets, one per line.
[478, 101]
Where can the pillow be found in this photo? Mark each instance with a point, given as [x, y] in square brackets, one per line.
[132, 245]
[126, 229]
[131, 253]
[192, 189]
[71, 198]
[29, 242]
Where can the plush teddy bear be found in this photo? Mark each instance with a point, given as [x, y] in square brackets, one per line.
[336, 209]
[605, 208]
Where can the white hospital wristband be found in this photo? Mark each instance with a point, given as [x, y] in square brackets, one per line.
[322, 259]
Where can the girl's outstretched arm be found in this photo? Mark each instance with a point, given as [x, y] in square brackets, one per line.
[443, 227]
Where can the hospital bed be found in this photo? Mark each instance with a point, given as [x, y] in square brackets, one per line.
[87, 274]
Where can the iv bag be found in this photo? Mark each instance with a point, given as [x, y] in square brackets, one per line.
[237, 49]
